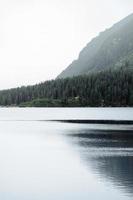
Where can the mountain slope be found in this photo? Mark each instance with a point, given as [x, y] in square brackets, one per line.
[111, 49]
[108, 88]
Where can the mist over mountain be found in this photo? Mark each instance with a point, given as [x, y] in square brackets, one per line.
[111, 49]
[102, 76]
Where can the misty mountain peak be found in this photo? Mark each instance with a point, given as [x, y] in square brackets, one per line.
[110, 49]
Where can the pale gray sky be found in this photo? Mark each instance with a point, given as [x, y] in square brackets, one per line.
[40, 38]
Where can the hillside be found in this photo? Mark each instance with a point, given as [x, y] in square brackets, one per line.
[111, 49]
[102, 76]
[108, 88]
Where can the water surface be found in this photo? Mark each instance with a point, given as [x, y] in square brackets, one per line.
[54, 161]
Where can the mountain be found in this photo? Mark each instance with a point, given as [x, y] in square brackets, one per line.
[111, 49]
[101, 76]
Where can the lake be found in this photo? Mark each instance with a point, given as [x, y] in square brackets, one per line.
[64, 161]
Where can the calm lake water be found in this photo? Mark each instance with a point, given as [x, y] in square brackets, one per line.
[63, 161]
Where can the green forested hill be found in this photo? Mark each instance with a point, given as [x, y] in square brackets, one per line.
[102, 75]
[108, 88]
[110, 49]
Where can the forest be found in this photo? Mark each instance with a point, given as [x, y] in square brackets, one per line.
[105, 88]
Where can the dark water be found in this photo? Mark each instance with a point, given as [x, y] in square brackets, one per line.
[49, 160]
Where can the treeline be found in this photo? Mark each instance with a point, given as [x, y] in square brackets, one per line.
[108, 88]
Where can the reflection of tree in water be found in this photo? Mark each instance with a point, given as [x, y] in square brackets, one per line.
[109, 153]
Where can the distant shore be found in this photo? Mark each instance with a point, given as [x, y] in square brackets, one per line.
[96, 121]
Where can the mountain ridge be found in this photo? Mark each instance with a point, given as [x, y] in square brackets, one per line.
[110, 49]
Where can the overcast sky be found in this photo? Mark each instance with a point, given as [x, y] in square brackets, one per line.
[40, 38]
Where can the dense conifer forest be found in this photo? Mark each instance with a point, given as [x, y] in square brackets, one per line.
[107, 88]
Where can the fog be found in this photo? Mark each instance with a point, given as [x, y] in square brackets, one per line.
[40, 38]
